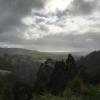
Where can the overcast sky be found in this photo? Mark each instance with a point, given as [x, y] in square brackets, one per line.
[50, 25]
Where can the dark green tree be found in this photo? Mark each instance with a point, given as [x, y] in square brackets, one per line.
[58, 79]
[44, 76]
[71, 67]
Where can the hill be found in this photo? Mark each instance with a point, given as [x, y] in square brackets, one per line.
[14, 51]
[92, 63]
[37, 55]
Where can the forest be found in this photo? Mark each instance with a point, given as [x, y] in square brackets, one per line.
[25, 77]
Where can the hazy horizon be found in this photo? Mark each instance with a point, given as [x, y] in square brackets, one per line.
[54, 52]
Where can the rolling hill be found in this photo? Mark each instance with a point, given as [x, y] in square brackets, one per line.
[37, 55]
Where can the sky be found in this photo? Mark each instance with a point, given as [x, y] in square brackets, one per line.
[50, 25]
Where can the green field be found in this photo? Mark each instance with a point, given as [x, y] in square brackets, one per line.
[4, 72]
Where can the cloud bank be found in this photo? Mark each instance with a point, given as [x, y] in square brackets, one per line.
[50, 25]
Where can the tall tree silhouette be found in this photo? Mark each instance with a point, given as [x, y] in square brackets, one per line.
[71, 66]
[44, 75]
[58, 79]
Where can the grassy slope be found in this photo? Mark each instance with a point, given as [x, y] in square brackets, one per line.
[4, 72]
[35, 54]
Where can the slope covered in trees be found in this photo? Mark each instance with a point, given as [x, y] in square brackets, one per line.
[22, 79]
[91, 65]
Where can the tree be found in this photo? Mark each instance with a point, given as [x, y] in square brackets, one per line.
[71, 66]
[44, 76]
[21, 91]
[58, 79]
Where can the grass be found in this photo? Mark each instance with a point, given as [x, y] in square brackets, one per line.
[67, 98]
[4, 72]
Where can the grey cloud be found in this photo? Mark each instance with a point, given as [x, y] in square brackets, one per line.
[43, 28]
[39, 14]
[60, 14]
[39, 20]
[88, 41]
[80, 8]
[11, 37]
[11, 11]
[83, 7]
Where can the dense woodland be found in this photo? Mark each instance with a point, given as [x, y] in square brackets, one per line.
[23, 78]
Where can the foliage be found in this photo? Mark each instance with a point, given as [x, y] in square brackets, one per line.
[49, 79]
[4, 72]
